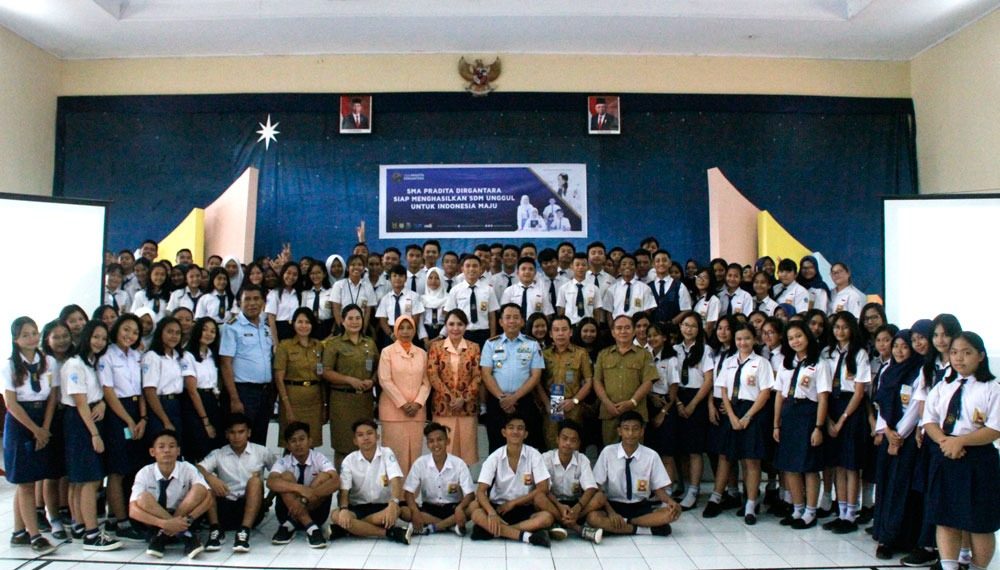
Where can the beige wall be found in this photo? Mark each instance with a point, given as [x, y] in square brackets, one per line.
[956, 93]
[29, 83]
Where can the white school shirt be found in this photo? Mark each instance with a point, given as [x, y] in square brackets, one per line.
[421, 280]
[696, 374]
[591, 299]
[819, 299]
[183, 298]
[980, 405]
[641, 297]
[165, 373]
[922, 385]
[121, 296]
[347, 293]
[850, 299]
[570, 482]
[812, 380]
[648, 473]
[543, 280]
[864, 371]
[741, 300]
[445, 487]
[47, 380]
[507, 484]
[911, 411]
[208, 306]
[776, 359]
[683, 295]
[235, 470]
[409, 304]
[205, 372]
[755, 376]
[604, 280]
[183, 477]
[75, 377]
[122, 371]
[767, 306]
[131, 284]
[486, 302]
[708, 308]
[316, 463]
[794, 295]
[500, 282]
[538, 298]
[367, 482]
[282, 308]
[669, 371]
[325, 312]
[718, 358]
[139, 300]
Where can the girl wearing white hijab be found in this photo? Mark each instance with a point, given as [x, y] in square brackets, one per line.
[335, 275]
[235, 270]
[433, 301]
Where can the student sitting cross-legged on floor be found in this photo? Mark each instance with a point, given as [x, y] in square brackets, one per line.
[371, 489]
[444, 484]
[513, 476]
[573, 492]
[305, 481]
[168, 496]
[631, 474]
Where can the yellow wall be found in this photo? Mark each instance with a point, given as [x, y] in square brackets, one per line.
[29, 83]
[956, 94]
[437, 72]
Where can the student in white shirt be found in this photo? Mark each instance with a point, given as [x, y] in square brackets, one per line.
[398, 302]
[317, 297]
[788, 291]
[305, 482]
[415, 270]
[335, 267]
[811, 281]
[527, 293]
[169, 495]
[706, 304]
[845, 296]
[164, 370]
[234, 270]
[219, 301]
[507, 275]
[444, 485]
[187, 296]
[672, 297]
[114, 294]
[596, 274]
[631, 476]
[477, 300]
[579, 298]
[235, 475]
[282, 302]
[511, 479]
[694, 397]
[573, 492]
[628, 295]
[371, 489]
[733, 300]
[761, 299]
[549, 278]
[156, 295]
[433, 301]
[354, 290]
[200, 409]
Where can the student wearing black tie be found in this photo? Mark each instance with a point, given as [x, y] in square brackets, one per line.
[549, 277]
[580, 298]
[476, 299]
[305, 481]
[218, 303]
[400, 301]
[318, 296]
[187, 296]
[415, 270]
[671, 296]
[527, 293]
[451, 271]
[114, 295]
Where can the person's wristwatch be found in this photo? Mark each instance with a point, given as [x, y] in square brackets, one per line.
[576, 401]
[395, 501]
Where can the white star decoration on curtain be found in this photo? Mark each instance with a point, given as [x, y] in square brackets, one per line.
[267, 132]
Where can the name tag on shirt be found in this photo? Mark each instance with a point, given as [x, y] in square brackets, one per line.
[483, 306]
[528, 479]
[385, 480]
[905, 393]
[642, 485]
[978, 417]
[452, 488]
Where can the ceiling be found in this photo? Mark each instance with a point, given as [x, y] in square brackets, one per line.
[829, 29]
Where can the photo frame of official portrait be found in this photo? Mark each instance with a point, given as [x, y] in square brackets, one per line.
[355, 114]
[604, 115]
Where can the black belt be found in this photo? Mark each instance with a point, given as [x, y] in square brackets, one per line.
[345, 390]
[305, 383]
[132, 398]
[34, 404]
[206, 391]
[254, 384]
[169, 396]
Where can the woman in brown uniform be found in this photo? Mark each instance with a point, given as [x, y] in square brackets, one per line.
[349, 369]
[298, 365]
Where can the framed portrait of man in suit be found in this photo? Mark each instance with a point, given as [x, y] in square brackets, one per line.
[355, 114]
[604, 115]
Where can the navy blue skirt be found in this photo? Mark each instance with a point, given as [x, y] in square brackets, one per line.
[196, 443]
[795, 454]
[83, 464]
[716, 436]
[172, 407]
[898, 509]
[746, 443]
[57, 443]
[124, 457]
[964, 493]
[25, 464]
[847, 449]
[692, 432]
[662, 439]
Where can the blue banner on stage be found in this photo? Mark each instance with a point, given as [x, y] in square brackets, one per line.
[488, 200]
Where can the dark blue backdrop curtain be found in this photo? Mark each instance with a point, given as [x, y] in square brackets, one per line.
[819, 164]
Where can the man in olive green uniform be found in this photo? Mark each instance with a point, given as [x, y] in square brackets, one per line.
[623, 376]
[569, 366]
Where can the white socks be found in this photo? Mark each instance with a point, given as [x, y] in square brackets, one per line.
[810, 515]
[715, 498]
[690, 497]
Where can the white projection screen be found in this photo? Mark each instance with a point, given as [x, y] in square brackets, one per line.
[53, 250]
[942, 255]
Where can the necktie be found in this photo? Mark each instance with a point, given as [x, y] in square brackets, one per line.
[413, 283]
[194, 300]
[628, 478]
[36, 383]
[794, 381]
[600, 125]
[114, 301]
[938, 376]
[222, 306]
[737, 381]
[729, 305]
[954, 408]
[663, 285]
[473, 310]
[448, 281]
[524, 300]
[597, 282]
[836, 375]
[357, 121]
[510, 279]
[156, 305]
[315, 301]
[397, 311]
[628, 296]
[757, 303]
[684, 368]
[162, 498]
[579, 299]
[552, 293]
[301, 480]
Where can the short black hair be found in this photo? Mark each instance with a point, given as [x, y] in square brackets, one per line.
[293, 427]
[631, 415]
[788, 265]
[165, 433]
[238, 419]
[570, 424]
[364, 422]
[547, 254]
[433, 427]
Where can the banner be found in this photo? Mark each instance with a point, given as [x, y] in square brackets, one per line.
[483, 200]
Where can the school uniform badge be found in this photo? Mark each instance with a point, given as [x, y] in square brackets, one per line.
[805, 381]
[642, 485]
[528, 479]
[978, 417]
[751, 380]
[452, 488]
[385, 480]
